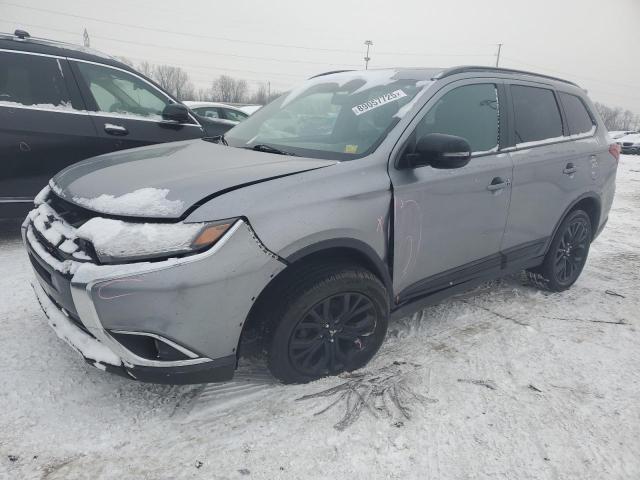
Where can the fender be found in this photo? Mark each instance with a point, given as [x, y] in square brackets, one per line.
[591, 195]
[381, 268]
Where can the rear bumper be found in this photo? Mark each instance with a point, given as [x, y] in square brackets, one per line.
[196, 304]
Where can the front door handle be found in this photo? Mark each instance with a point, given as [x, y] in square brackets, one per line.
[498, 183]
[118, 130]
[569, 169]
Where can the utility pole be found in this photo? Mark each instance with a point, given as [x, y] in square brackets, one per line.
[498, 55]
[86, 41]
[369, 44]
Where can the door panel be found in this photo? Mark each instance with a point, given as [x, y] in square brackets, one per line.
[449, 223]
[448, 218]
[43, 127]
[547, 178]
[126, 110]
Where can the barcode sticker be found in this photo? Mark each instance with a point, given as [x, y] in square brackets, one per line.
[378, 102]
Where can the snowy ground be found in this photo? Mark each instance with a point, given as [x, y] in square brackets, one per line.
[504, 382]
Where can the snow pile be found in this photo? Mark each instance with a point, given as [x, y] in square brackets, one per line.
[115, 238]
[66, 106]
[66, 267]
[76, 338]
[144, 201]
[42, 195]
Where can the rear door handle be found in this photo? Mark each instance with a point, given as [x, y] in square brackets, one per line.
[498, 183]
[112, 129]
[569, 169]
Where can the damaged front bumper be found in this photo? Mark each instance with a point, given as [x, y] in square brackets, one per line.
[172, 321]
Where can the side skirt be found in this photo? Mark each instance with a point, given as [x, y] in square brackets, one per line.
[439, 287]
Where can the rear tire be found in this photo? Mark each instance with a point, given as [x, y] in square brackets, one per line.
[567, 254]
[326, 319]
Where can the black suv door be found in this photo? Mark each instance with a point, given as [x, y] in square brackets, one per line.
[126, 109]
[44, 126]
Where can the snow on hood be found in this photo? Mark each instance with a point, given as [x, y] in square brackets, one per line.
[164, 181]
[153, 201]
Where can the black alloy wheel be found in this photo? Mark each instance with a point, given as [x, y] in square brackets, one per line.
[332, 334]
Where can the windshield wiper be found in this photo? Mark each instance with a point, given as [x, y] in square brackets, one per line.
[261, 147]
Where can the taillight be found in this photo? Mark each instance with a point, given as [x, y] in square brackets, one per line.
[614, 150]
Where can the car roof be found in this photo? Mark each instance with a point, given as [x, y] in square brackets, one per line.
[44, 46]
[424, 73]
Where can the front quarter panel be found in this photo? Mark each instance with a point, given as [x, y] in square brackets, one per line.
[348, 200]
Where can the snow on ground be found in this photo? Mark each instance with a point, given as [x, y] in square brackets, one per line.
[504, 382]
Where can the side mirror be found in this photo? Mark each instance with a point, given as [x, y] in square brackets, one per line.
[439, 151]
[176, 112]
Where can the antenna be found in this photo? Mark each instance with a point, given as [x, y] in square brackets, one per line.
[86, 41]
[369, 44]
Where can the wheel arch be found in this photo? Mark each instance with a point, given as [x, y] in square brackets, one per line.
[341, 250]
[591, 204]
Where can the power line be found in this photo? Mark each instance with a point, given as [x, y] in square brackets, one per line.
[211, 52]
[247, 42]
[606, 82]
[173, 32]
[299, 76]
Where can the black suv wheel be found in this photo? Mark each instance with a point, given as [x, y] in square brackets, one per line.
[567, 254]
[330, 319]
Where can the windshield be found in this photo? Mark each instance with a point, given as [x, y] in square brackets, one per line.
[339, 116]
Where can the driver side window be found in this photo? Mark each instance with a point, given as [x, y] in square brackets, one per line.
[470, 112]
[118, 92]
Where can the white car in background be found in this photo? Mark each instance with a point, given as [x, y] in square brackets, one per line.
[250, 109]
[617, 134]
[630, 144]
[214, 110]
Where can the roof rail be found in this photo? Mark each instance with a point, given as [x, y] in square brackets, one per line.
[329, 73]
[473, 68]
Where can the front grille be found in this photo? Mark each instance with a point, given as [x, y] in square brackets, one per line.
[57, 235]
[70, 213]
[627, 144]
[46, 276]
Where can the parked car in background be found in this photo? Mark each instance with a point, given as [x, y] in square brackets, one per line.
[616, 134]
[61, 103]
[355, 197]
[630, 144]
[214, 110]
[250, 109]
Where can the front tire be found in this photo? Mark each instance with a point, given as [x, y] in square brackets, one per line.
[567, 254]
[326, 320]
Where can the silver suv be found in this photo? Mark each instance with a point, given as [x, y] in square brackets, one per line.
[356, 197]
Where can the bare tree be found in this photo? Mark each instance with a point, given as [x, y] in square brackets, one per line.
[146, 69]
[615, 118]
[175, 81]
[229, 89]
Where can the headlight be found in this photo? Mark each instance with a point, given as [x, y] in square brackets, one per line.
[116, 241]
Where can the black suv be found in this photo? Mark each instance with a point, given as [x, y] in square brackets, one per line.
[61, 103]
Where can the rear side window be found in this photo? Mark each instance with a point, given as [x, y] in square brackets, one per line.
[32, 80]
[470, 112]
[577, 114]
[537, 116]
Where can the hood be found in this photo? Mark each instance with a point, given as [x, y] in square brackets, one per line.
[164, 181]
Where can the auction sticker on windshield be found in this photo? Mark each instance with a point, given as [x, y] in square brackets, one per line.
[378, 102]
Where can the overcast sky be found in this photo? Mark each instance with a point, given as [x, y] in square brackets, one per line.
[595, 43]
